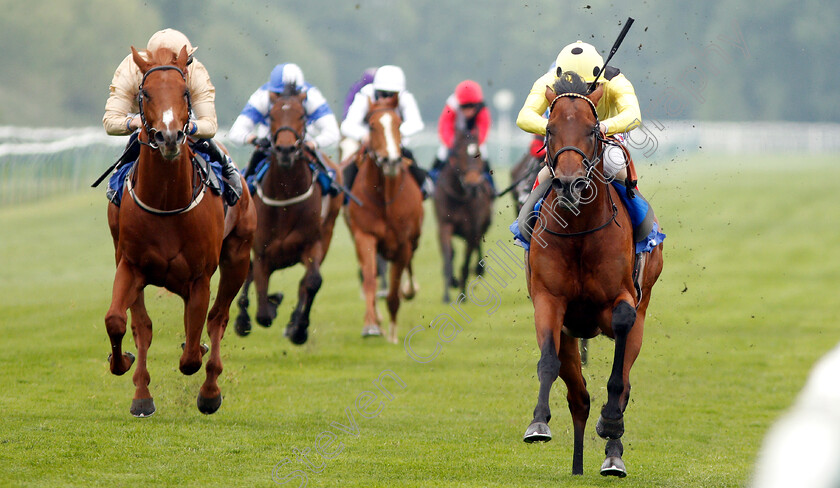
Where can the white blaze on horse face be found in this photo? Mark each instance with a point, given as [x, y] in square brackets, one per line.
[167, 118]
[390, 143]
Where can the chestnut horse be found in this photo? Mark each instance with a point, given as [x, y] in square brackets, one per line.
[463, 206]
[390, 217]
[579, 273]
[295, 221]
[173, 233]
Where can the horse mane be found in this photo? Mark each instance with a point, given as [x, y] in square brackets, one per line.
[570, 82]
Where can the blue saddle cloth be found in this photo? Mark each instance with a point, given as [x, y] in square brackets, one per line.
[325, 180]
[636, 207]
[116, 183]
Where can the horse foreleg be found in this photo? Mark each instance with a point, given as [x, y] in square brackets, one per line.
[445, 237]
[393, 298]
[546, 316]
[266, 306]
[127, 286]
[243, 320]
[366, 252]
[234, 268]
[296, 330]
[610, 425]
[465, 268]
[577, 396]
[195, 313]
[141, 326]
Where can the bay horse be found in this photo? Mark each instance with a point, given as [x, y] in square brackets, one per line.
[579, 272]
[463, 206]
[295, 220]
[390, 217]
[173, 233]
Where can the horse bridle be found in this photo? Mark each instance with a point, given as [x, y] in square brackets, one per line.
[295, 150]
[154, 140]
[588, 162]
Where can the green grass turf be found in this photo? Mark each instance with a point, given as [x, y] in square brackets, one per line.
[744, 307]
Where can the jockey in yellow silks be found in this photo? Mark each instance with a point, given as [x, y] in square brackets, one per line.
[618, 112]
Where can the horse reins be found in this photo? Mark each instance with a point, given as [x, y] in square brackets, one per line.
[297, 154]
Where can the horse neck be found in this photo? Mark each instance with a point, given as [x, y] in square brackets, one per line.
[164, 184]
[384, 187]
[287, 181]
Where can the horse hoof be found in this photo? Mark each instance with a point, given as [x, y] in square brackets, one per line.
[208, 406]
[142, 407]
[610, 428]
[242, 325]
[613, 466]
[126, 355]
[204, 348]
[297, 334]
[537, 432]
[371, 331]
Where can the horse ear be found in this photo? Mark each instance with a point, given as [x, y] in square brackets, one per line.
[549, 93]
[181, 60]
[139, 61]
[394, 102]
[595, 96]
[301, 96]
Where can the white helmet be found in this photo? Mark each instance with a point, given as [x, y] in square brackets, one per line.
[389, 78]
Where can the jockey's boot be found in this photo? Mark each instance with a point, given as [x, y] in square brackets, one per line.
[233, 188]
[437, 166]
[488, 175]
[350, 171]
[427, 187]
[639, 274]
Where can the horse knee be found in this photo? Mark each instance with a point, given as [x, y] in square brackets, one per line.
[623, 318]
[115, 324]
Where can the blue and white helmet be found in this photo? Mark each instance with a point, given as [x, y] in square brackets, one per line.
[284, 74]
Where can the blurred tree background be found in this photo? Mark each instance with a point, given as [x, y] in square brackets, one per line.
[715, 60]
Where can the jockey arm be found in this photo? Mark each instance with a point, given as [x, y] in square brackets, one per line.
[250, 119]
[530, 118]
[203, 98]
[622, 106]
[354, 125]
[322, 126]
[446, 126]
[412, 121]
[483, 123]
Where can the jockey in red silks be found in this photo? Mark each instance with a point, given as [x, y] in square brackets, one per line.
[464, 111]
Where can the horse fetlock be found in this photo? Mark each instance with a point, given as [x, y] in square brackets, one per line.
[614, 448]
[608, 428]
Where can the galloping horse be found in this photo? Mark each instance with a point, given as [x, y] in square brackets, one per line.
[463, 205]
[391, 215]
[580, 274]
[173, 233]
[295, 222]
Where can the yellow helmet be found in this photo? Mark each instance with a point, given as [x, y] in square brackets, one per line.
[582, 58]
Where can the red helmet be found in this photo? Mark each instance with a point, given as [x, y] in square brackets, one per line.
[468, 92]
